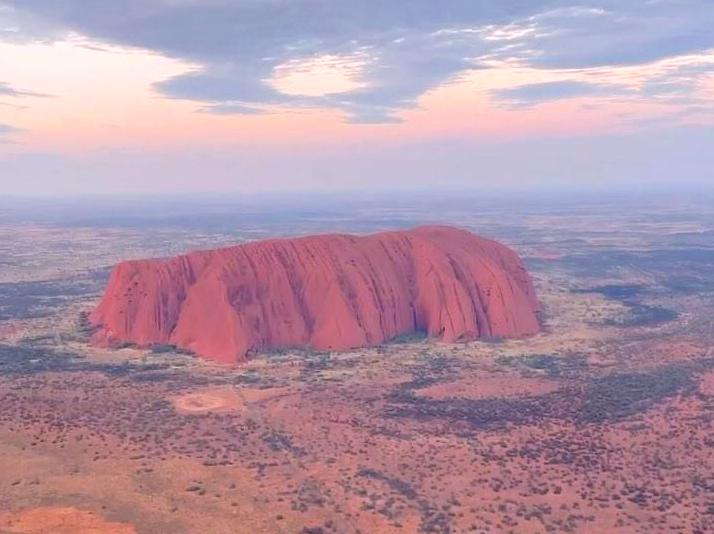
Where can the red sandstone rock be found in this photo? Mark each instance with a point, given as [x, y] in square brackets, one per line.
[329, 292]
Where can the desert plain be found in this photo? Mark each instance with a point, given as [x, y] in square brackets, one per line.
[602, 422]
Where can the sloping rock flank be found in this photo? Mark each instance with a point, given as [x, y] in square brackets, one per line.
[329, 292]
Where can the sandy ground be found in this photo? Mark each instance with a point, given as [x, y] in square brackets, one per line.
[209, 401]
[65, 520]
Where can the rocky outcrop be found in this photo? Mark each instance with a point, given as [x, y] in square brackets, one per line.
[330, 292]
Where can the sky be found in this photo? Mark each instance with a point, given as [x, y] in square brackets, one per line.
[181, 96]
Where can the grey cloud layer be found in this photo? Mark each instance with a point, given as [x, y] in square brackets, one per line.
[536, 93]
[413, 46]
[9, 90]
[6, 132]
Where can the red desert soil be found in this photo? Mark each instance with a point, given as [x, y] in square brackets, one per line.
[488, 387]
[9, 332]
[706, 384]
[328, 292]
[60, 521]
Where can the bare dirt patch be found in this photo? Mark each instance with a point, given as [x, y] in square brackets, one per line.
[60, 520]
[210, 400]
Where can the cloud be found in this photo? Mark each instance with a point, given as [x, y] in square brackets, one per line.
[538, 93]
[6, 133]
[231, 108]
[610, 33]
[7, 129]
[239, 45]
[8, 90]
[680, 83]
[408, 48]
[395, 70]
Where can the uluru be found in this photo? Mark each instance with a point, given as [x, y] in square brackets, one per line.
[325, 292]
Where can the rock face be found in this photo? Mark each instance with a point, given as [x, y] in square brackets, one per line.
[330, 292]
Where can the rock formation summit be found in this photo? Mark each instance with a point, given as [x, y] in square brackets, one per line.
[329, 292]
